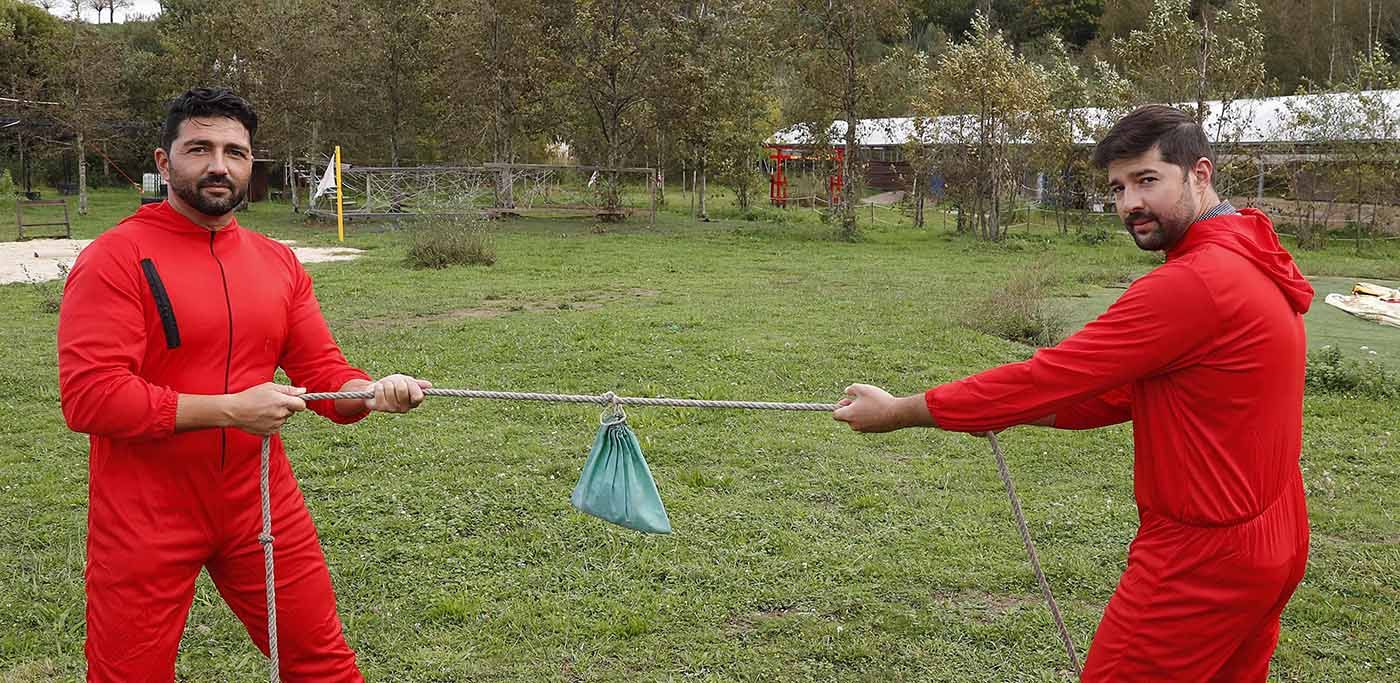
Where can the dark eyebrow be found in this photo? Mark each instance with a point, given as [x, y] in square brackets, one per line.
[209, 143]
[1135, 175]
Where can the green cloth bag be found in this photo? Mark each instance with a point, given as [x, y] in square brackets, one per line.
[616, 485]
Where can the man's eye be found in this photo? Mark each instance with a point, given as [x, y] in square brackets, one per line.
[1148, 180]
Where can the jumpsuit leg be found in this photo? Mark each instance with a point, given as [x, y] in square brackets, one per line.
[139, 584]
[1201, 602]
[311, 642]
[1250, 663]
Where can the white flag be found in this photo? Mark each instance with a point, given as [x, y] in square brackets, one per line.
[327, 183]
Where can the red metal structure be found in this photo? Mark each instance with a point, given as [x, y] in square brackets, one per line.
[836, 179]
[777, 183]
[778, 179]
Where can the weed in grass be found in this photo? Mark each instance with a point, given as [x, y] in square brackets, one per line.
[1021, 310]
[450, 242]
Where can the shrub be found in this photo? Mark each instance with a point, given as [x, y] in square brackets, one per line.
[1021, 312]
[50, 291]
[450, 242]
[1331, 373]
[1095, 236]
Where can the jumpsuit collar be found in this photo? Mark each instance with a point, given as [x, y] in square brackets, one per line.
[165, 216]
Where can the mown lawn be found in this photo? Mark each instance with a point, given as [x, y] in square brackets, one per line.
[801, 551]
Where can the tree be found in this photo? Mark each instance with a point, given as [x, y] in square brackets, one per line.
[492, 85]
[1055, 131]
[845, 70]
[1074, 22]
[709, 94]
[78, 80]
[610, 67]
[1347, 137]
[1179, 60]
[996, 98]
[1186, 60]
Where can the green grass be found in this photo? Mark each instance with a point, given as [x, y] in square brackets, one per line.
[802, 551]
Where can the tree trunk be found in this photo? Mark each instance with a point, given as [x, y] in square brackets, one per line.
[660, 171]
[82, 177]
[703, 171]
[1202, 70]
[919, 192]
[849, 229]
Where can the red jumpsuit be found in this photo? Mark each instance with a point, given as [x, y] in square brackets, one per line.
[159, 306]
[1206, 355]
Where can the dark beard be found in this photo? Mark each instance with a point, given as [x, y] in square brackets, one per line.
[210, 206]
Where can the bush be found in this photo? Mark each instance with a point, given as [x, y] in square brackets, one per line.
[50, 291]
[450, 242]
[753, 214]
[1095, 236]
[1021, 312]
[1331, 373]
[7, 189]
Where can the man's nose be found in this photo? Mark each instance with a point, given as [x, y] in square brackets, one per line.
[218, 164]
[1129, 202]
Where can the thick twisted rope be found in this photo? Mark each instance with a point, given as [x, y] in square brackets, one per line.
[604, 399]
[265, 538]
[1030, 552]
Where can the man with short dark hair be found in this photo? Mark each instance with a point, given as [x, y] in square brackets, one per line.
[1206, 356]
[172, 326]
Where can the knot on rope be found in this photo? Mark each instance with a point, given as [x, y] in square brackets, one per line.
[265, 539]
[613, 413]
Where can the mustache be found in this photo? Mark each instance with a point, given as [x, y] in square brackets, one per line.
[1137, 217]
[215, 181]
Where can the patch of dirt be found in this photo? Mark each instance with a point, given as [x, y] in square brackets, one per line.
[495, 308]
[39, 260]
[743, 623]
[885, 198]
[986, 607]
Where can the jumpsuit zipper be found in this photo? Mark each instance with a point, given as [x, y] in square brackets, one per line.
[228, 360]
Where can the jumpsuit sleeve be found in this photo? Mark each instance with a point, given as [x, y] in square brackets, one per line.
[1156, 325]
[310, 355]
[1109, 408]
[101, 345]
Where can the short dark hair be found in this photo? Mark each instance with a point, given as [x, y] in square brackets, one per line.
[1172, 131]
[206, 102]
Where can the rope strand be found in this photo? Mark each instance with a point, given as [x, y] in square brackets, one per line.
[603, 399]
[265, 538]
[610, 399]
[1030, 552]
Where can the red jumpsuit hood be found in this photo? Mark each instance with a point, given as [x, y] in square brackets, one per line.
[1251, 235]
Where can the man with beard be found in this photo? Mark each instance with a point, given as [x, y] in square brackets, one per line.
[1206, 356]
[173, 323]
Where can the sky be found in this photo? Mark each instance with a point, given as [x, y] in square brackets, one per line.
[63, 8]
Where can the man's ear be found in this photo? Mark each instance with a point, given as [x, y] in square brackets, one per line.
[1203, 172]
[163, 163]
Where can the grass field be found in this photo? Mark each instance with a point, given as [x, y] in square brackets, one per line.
[802, 551]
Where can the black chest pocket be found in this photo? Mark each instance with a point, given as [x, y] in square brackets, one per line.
[167, 312]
